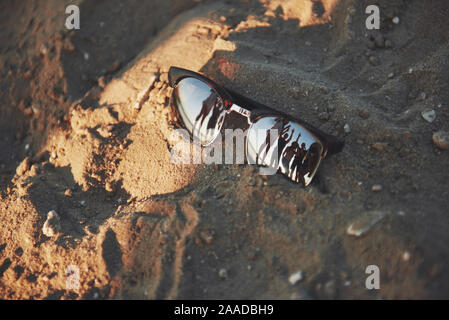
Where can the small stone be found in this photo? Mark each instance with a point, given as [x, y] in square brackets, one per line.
[86, 56]
[308, 43]
[83, 202]
[223, 273]
[396, 20]
[429, 115]
[378, 146]
[388, 44]
[295, 277]
[406, 256]
[373, 60]
[391, 75]
[52, 225]
[364, 223]
[68, 193]
[401, 213]
[376, 188]
[27, 147]
[23, 167]
[36, 109]
[423, 96]
[105, 131]
[44, 49]
[410, 70]
[379, 40]
[441, 139]
[301, 294]
[347, 128]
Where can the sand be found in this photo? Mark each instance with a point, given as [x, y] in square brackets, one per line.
[85, 131]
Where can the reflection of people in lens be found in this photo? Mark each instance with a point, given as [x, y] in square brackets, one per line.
[212, 103]
[289, 153]
[282, 136]
[208, 104]
[305, 162]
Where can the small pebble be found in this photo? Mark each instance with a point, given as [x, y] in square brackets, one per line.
[379, 40]
[52, 225]
[379, 146]
[410, 70]
[86, 56]
[373, 60]
[429, 115]
[44, 49]
[401, 213]
[295, 277]
[391, 75]
[82, 202]
[395, 20]
[68, 193]
[223, 274]
[347, 128]
[441, 139]
[27, 147]
[364, 222]
[376, 188]
[406, 256]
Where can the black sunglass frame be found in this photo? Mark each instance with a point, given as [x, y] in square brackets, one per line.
[253, 110]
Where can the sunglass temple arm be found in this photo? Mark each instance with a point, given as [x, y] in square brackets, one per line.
[242, 111]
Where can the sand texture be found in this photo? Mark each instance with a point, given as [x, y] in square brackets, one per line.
[85, 131]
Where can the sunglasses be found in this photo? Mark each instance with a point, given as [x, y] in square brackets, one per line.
[274, 139]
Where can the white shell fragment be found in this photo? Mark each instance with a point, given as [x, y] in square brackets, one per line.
[429, 115]
[52, 225]
[295, 277]
[364, 223]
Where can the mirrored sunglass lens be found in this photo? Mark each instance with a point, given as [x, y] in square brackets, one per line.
[281, 144]
[200, 108]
